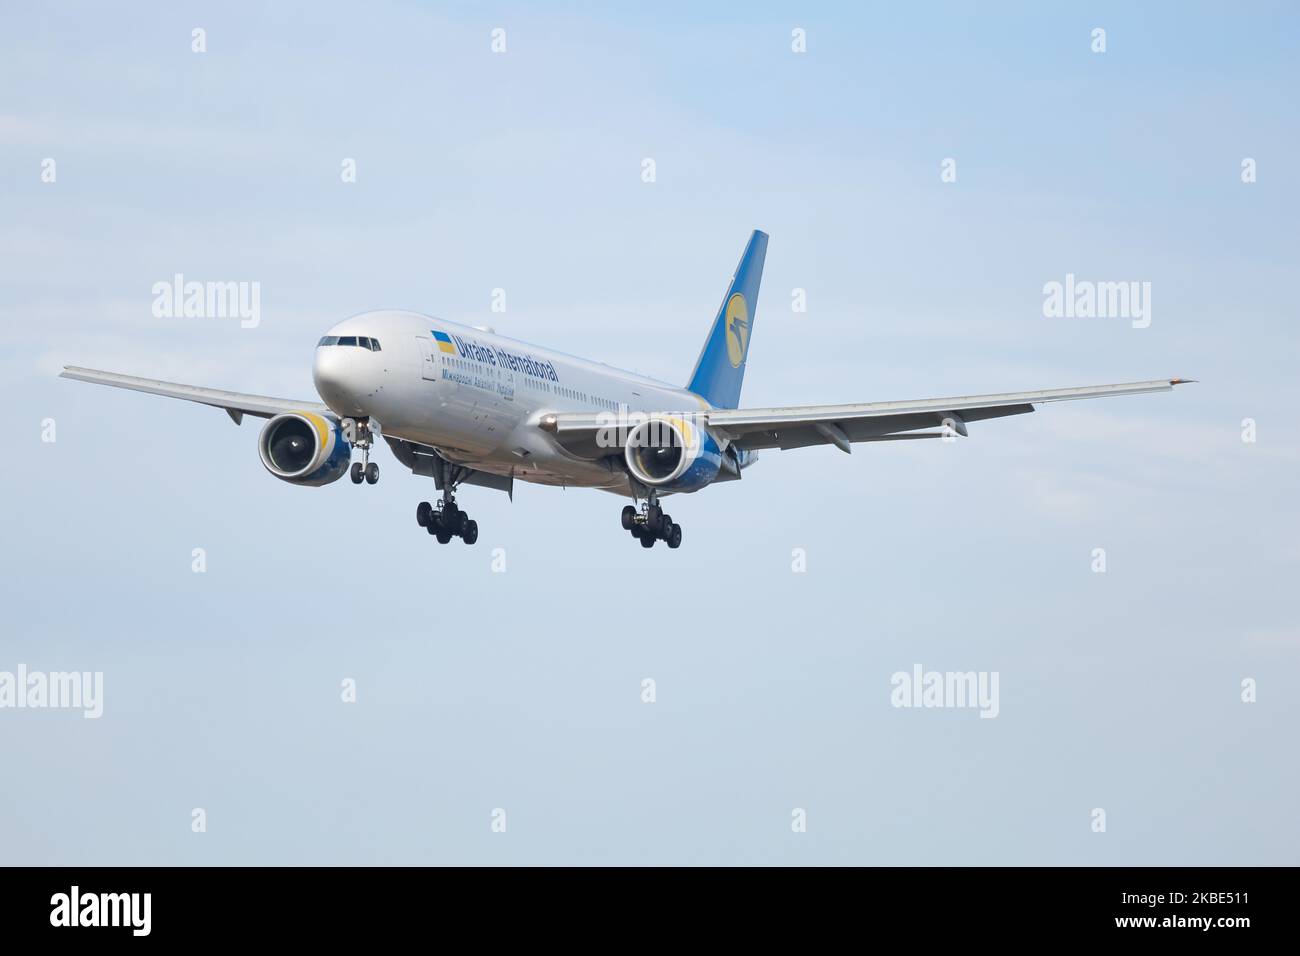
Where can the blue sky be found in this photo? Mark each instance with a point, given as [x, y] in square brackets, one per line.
[522, 690]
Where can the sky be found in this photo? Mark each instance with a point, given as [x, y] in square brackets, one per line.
[923, 173]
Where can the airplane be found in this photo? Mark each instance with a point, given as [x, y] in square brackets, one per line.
[466, 406]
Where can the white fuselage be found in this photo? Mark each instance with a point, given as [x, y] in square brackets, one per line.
[478, 397]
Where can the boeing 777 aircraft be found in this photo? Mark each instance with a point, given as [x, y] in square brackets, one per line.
[466, 406]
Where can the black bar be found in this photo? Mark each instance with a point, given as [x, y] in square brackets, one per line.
[209, 905]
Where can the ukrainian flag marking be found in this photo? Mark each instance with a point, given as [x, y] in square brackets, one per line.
[444, 342]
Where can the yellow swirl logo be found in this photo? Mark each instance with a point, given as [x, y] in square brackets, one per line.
[737, 329]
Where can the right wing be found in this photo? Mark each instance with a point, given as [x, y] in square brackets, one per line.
[236, 404]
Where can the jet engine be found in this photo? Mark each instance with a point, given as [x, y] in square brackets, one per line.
[672, 454]
[304, 448]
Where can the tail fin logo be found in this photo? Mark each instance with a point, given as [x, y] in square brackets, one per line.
[737, 327]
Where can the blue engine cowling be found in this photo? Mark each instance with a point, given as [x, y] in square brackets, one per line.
[304, 448]
[671, 453]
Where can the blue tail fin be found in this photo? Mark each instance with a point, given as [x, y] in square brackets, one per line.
[721, 366]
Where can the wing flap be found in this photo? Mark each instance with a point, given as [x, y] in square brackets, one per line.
[874, 428]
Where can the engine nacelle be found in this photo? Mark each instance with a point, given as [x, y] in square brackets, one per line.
[304, 448]
[672, 453]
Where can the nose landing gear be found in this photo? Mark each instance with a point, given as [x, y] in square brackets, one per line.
[651, 524]
[363, 470]
[359, 434]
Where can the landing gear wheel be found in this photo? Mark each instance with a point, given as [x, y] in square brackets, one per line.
[460, 523]
[443, 537]
[647, 540]
[637, 530]
[422, 512]
[372, 473]
[469, 534]
[356, 473]
[653, 516]
[674, 538]
[628, 517]
[452, 518]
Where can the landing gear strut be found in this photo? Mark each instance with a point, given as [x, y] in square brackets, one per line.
[651, 524]
[445, 520]
[357, 431]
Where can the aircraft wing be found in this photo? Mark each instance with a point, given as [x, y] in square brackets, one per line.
[798, 426]
[840, 425]
[236, 404]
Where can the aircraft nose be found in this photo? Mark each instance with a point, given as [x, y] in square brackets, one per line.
[333, 376]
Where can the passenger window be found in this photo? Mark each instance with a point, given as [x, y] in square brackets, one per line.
[347, 340]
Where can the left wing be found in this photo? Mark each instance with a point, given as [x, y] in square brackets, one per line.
[236, 404]
[841, 425]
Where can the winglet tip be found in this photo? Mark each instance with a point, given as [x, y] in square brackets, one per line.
[1182, 381]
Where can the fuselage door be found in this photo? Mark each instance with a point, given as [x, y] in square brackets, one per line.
[428, 358]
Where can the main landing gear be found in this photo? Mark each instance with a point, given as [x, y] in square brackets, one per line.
[446, 521]
[651, 524]
[359, 434]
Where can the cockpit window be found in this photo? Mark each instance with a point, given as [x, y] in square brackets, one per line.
[357, 341]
